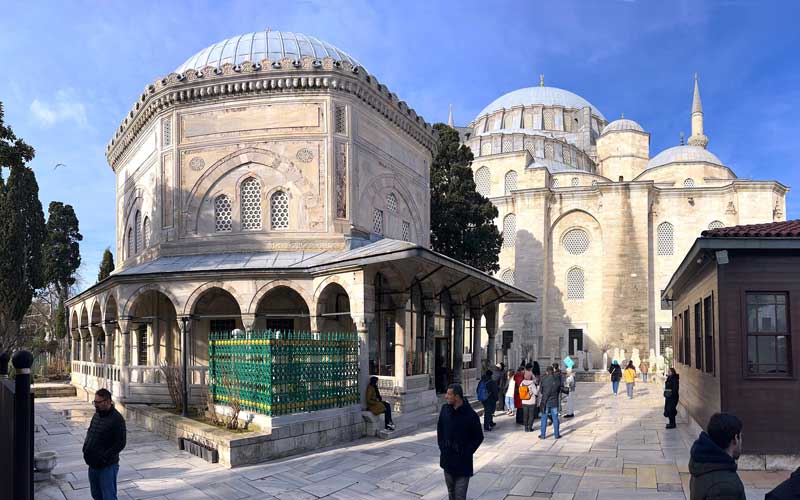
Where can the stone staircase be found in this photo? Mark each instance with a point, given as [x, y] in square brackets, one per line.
[420, 412]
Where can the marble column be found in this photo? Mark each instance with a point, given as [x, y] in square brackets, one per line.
[429, 310]
[108, 334]
[363, 322]
[402, 322]
[477, 355]
[92, 345]
[458, 342]
[491, 331]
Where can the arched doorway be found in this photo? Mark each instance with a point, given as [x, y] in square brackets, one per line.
[333, 310]
[282, 309]
[155, 333]
[215, 311]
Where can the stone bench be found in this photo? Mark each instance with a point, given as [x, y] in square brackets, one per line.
[374, 423]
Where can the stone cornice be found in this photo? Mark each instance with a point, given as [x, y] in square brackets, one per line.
[267, 78]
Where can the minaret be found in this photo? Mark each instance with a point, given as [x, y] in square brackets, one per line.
[697, 138]
[450, 118]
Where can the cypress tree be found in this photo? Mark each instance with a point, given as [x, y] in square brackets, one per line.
[106, 265]
[462, 220]
[62, 253]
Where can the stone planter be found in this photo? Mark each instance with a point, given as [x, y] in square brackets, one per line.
[43, 463]
[199, 450]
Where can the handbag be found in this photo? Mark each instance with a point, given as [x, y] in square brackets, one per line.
[667, 393]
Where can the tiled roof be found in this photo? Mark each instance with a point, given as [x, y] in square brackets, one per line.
[785, 229]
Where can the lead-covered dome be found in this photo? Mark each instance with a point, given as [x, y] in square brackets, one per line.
[683, 154]
[622, 125]
[272, 45]
[544, 96]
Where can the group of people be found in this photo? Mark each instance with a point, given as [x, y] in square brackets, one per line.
[628, 375]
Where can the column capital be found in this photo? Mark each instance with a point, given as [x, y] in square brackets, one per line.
[362, 321]
[429, 306]
[248, 322]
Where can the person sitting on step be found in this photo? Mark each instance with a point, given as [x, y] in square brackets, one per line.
[377, 405]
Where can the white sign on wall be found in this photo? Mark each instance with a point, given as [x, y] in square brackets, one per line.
[467, 357]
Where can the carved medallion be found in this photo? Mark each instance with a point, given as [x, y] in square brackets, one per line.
[197, 163]
[305, 155]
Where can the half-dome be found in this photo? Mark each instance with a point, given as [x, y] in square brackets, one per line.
[544, 96]
[623, 125]
[272, 45]
[683, 154]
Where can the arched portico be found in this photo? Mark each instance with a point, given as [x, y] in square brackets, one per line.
[282, 308]
[155, 334]
[333, 310]
[214, 310]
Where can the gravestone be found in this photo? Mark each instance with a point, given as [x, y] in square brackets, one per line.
[589, 364]
[635, 358]
[605, 360]
[581, 358]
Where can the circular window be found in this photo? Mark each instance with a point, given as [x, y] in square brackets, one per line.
[576, 241]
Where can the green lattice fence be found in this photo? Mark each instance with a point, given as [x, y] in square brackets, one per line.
[278, 372]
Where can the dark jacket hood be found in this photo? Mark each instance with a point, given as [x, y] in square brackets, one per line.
[707, 457]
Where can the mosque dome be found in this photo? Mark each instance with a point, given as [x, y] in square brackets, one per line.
[543, 96]
[272, 45]
[683, 154]
[621, 125]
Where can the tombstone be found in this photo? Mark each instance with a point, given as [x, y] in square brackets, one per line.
[651, 360]
[589, 364]
[605, 360]
[635, 358]
[581, 358]
[660, 363]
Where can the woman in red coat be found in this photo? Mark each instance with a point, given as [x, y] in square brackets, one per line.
[518, 377]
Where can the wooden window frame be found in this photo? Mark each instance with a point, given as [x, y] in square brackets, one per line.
[708, 334]
[699, 335]
[744, 328]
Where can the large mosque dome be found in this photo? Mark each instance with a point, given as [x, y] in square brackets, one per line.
[271, 45]
[543, 96]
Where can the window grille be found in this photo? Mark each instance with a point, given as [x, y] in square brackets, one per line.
[222, 213]
[508, 276]
[575, 182]
[482, 181]
[548, 120]
[130, 243]
[166, 131]
[391, 202]
[576, 241]
[508, 144]
[486, 148]
[377, 221]
[664, 339]
[251, 204]
[509, 231]
[554, 183]
[137, 227]
[511, 181]
[665, 244]
[575, 284]
[716, 225]
[688, 183]
[279, 210]
[146, 229]
[406, 231]
[548, 150]
[340, 120]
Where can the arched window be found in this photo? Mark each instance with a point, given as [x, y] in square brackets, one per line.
[406, 231]
[146, 229]
[279, 210]
[511, 181]
[554, 183]
[688, 183]
[575, 182]
[137, 228]
[716, 225]
[131, 250]
[251, 204]
[665, 243]
[576, 241]
[509, 231]
[391, 202]
[508, 276]
[575, 284]
[377, 221]
[222, 213]
[482, 181]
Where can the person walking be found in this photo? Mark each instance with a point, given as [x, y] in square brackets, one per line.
[499, 377]
[551, 388]
[629, 375]
[787, 490]
[712, 462]
[459, 435]
[569, 387]
[105, 439]
[529, 393]
[510, 390]
[644, 367]
[487, 395]
[518, 378]
[616, 375]
[377, 405]
[671, 387]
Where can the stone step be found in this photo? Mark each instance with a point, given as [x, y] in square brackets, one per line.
[419, 419]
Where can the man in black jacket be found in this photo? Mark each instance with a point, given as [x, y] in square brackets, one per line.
[787, 490]
[712, 462]
[490, 403]
[551, 392]
[105, 439]
[459, 434]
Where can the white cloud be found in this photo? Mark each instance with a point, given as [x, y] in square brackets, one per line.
[65, 107]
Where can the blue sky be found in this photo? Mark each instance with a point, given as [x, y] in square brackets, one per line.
[73, 70]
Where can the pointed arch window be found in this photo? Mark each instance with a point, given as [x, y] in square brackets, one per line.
[251, 204]
[146, 230]
[482, 181]
[279, 210]
[391, 202]
[555, 183]
[575, 284]
[509, 231]
[665, 244]
[511, 181]
[137, 228]
[508, 276]
[222, 214]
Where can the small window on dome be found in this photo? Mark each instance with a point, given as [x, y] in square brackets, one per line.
[688, 183]
[716, 225]
[575, 182]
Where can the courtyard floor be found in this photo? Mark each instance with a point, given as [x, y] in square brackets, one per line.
[614, 448]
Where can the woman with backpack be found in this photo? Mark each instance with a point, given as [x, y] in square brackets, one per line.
[616, 375]
[630, 378]
[511, 388]
[529, 394]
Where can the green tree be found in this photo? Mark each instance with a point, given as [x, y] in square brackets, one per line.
[61, 251]
[106, 265]
[462, 220]
[22, 233]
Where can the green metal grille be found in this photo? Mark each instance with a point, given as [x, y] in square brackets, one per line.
[279, 373]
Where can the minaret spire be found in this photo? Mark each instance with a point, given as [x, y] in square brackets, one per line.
[450, 117]
[697, 138]
[541, 80]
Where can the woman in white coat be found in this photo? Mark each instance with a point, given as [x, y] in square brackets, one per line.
[569, 384]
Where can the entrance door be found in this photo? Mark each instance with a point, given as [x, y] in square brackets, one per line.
[575, 334]
[442, 364]
[280, 324]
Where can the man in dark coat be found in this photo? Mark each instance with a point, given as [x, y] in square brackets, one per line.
[712, 461]
[787, 490]
[499, 377]
[104, 441]
[551, 390]
[459, 435]
[490, 403]
[671, 396]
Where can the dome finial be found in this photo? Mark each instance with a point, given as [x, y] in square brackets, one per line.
[450, 118]
[622, 116]
[697, 138]
[681, 137]
[541, 80]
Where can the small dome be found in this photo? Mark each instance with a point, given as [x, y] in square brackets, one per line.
[621, 125]
[546, 96]
[683, 154]
[272, 45]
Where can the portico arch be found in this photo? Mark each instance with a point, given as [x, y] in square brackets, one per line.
[213, 310]
[154, 326]
[282, 308]
[333, 310]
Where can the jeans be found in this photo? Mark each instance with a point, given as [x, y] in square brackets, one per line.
[488, 412]
[103, 482]
[529, 413]
[509, 403]
[629, 387]
[615, 386]
[644, 376]
[387, 416]
[551, 411]
[456, 486]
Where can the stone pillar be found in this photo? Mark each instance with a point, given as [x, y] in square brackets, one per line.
[108, 332]
[402, 322]
[125, 356]
[476, 313]
[491, 331]
[363, 323]
[458, 342]
[249, 322]
[92, 345]
[184, 322]
[429, 310]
